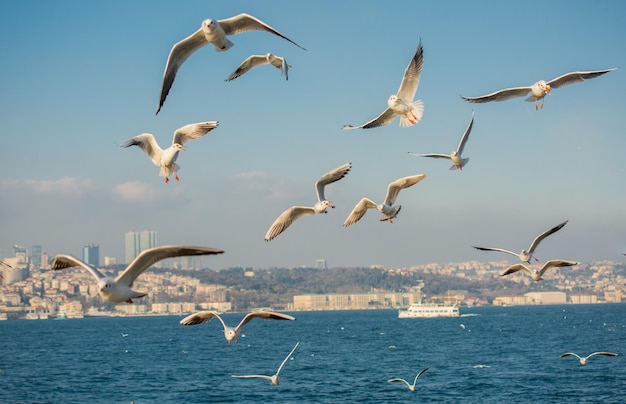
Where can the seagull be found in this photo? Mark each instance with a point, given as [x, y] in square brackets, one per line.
[458, 162]
[166, 159]
[535, 273]
[210, 32]
[274, 378]
[232, 333]
[119, 290]
[258, 60]
[410, 386]
[583, 361]
[389, 212]
[524, 255]
[295, 212]
[402, 103]
[539, 89]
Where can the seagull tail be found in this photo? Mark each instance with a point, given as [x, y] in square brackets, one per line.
[414, 115]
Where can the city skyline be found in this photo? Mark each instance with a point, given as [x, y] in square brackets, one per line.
[71, 100]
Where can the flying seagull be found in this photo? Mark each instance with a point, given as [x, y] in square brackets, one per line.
[583, 361]
[535, 273]
[410, 386]
[274, 378]
[210, 32]
[539, 89]
[402, 103]
[259, 60]
[389, 212]
[119, 290]
[166, 159]
[458, 162]
[295, 212]
[524, 255]
[232, 333]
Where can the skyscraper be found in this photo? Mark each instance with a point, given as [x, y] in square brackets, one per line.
[138, 241]
[91, 255]
[35, 257]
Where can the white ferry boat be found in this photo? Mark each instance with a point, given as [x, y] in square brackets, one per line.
[425, 310]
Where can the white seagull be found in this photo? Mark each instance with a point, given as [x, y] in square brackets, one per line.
[119, 290]
[410, 386]
[535, 273]
[524, 255]
[258, 60]
[274, 378]
[402, 103]
[389, 212]
[539, 89]
[583, 361]
[295, 212]
[210, 32]
[232, 333]
[458, 162]
[166, 159]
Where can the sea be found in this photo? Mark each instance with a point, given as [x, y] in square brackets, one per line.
[487, 355]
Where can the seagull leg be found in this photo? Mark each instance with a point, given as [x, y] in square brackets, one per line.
[167, 180]
[176, 176]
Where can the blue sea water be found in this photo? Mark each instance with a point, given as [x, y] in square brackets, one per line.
[488, 355]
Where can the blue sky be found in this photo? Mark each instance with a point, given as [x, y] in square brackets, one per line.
[79, 77]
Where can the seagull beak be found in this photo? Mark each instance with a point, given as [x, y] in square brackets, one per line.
[547, 88]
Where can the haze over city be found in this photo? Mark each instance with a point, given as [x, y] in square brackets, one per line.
[81, 78]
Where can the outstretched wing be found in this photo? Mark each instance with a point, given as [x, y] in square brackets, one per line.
[330, 177]
[435, 155]
[245, 22]
[148, 257]
[178, 54]
[397, 379]
[264, 315]
[359, 210]
[576, 77]
[286, 358]
[602, 353]
[412, 73]
[461, 146]
[418, 375]
[543, 235]
[246, 65]
[201, 317]
[556, 264]
[286, 219]
[385, 118]
[500, 95]
[514, 268]
[496, 249]
[193, 131]
[393, 189]
[67, 261]
[148, 144]
[569, 354]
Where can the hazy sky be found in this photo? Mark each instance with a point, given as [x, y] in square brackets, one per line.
[80, 77]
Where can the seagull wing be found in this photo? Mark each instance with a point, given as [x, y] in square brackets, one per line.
[385, 118]
[286, 358]
[515, 268]
[461, 146]
[412, 73]
[66, 261]
[178, 54]
[249, 63]
[501, 95]
[543, 235]
[393, 189]
[264, 315]
[193, 131]
[569, 354]
[602, 353]
[397, 379]
[418, 375]
[253, 377]
[148, 144]
[556, 264]
[496, 249]
[435, 155]
[148, 257]
[245, 22]
[359, 210]
[201, 317]
[332, 176]
[286, 219]
[576, 77]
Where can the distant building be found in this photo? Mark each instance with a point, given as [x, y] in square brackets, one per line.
[355, 301]
[138, 241]
[91, 255]
[35, 257]
[108, 261]
[321, 264]
[547, 297]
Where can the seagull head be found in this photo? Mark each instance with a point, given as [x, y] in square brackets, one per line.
[178, 147]
[209, 24]
[231, 335]
[543, 86]
[105, 285]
